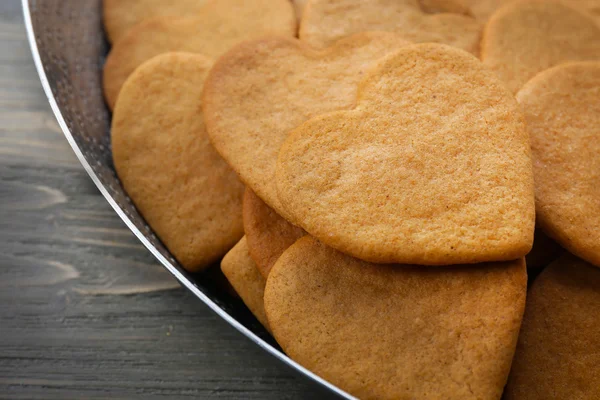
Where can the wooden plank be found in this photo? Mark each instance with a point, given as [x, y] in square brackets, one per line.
[85, 310]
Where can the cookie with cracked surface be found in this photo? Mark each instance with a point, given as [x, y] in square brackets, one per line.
[163, 157]
[325, 21]
[557, 353]
[397, 331]
[260, 90]
[267, 233]
[526, 37]
[211, 32]
[245, 278]
[432, 167]
[562, 110]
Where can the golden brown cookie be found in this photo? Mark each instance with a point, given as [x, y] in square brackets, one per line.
[260, 90]
[120, 16]
[216, 28]
[267, 233]
[527, 37]
[557, 354]
[243, 275]
[562, 109]
[179, 183]
[325, 21]
[397, 331]
[432, 167]
[543, 252]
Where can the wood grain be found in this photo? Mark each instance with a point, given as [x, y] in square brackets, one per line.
[85, 310]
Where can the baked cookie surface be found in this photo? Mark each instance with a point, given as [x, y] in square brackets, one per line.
[562, 110]
[557, 354]
[527, 37]
[245, 278]
[260, 90]
[119, 16]
[268, 234]
[482, 10]
[397, 331]
[163, 157]
[220, 25]
[299, 7]
[432, 167]
[325, 21]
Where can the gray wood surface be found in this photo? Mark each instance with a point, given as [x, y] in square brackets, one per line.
[85, 310]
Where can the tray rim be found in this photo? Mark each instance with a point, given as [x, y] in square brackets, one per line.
[140, 236]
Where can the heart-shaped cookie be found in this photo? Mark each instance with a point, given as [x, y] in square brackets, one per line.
[260, 90]
[245, 278]
[557, 354]
[164, 159]
[397, 331]
[432, 167]
[268, 235]
[527, 37]
[325, 21]
[562, 110]
[211, 32]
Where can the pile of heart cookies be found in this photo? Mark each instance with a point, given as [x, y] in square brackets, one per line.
[377, 178]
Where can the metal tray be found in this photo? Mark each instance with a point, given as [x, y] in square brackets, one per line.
[69, 48]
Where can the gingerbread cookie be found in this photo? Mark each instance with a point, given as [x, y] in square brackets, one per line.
[397, 331]
[562, 109]
[557, 354]
[216, 28]
[432, 167]
[268, 234]
[163, 157]
[527, 37]
[243, 275]
[325, 21]
[120, 16]
[260, 90]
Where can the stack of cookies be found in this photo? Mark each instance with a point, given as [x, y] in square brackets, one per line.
[370, 175]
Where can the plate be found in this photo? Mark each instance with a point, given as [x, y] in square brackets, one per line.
[69, 49]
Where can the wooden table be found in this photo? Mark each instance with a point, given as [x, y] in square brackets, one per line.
[85, 310]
